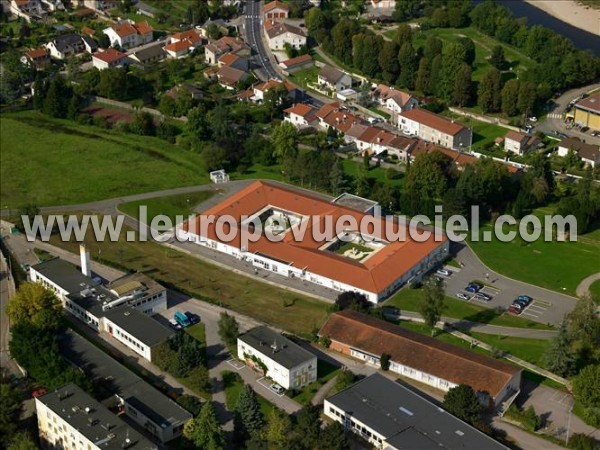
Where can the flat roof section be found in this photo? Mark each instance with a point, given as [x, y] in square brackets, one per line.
[355, 202]
[141, 326]
[279, 348]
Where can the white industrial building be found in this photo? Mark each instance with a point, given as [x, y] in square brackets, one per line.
[278, 358]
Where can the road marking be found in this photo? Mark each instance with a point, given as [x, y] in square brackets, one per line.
[524, 313]
[235, 364]
[542, 302]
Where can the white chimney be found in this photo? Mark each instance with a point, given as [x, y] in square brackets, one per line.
[86, 268]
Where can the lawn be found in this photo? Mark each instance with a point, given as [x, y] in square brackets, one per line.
[325, 372]
[595, 290]
[198, 332]
[171, 206]
[408, 299]
[48, 161]
[351, 169]
[287, 310]
[305, 76]
[233, 385]
[559, 266]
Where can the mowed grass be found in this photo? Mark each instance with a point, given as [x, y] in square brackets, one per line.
[46, 161]
[284, 309]
[559, 266]
[233, 385]
[595, 291]
[171, 206]
[408, 299]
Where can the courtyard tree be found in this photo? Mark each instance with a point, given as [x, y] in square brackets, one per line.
[229, 328]
[204, 431]
[432, 304]
[248, 419]
[463, 403]
[37, 305]
[559, 356]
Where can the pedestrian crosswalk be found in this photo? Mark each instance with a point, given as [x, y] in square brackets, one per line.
[555, 116]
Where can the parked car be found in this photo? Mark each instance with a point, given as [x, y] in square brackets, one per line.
[584, 129]
[525, 298]
[514, 310]
[522, 303]
[444, 272]
[595, 133]
[174, 324]
[182, 319]
[473, 287]
[194, 318]
[276, 388]
[463, 296]
[483, 296]
[533, 119]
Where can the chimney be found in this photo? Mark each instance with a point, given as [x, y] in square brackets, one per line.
[85, 261]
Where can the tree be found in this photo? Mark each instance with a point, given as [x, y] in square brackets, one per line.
[22, 441]
[403, 35]
[344, 379]
[352, 300]
[228, 328]
[406, 9]
[580, 441]
[510, 97]
[558, 357]
[10, 399]
[384, 361]
[197, 125]
[215, 157]
[143, 124]
[497, 58]
[285, 141]
[469, 47]
[308, 426]
[463, 87]
[583, 322]
[527, 97]
[453, 57]
[388, 61]
[278, 425]
[425, 183]
[190, 402]
[433, 47]
[407, 58]
[489, 95]
[586, 390]
[423, 81]
[336, 178]
[432, 305]
[249, 418]
[333, 437]
[462, 402]
[204, 431]
[36, 305]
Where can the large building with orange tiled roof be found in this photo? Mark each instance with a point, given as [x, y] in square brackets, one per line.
[310, 241]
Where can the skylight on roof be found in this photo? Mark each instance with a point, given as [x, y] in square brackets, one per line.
[406, 411]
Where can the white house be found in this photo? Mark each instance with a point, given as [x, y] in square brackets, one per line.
[278, 358]
[108, 59]
[519, 143]
[69, 418]
[434, 128]
[181, 44]
[259, 90]
[300, 115]
[281, 34]
[27, 9]
[588, 153]
[129, 34]
[65, 46]
[390, 416]
[333, 79]
[219, 176]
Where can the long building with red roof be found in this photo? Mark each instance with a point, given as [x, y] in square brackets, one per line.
[354, 255]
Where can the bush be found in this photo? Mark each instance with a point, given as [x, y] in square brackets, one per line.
[191, 403]
[580, 441]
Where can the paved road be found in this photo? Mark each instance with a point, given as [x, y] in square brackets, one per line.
[583, 288]
[548, 307]
[252, 32]
[554, 120]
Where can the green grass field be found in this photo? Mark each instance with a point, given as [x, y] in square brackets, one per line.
[48, 161]
[325, 372]
[408, 300]
[559, 266]
[305, 76]
[233, 385]
[287, 310]
[171, 206]
[595, 290]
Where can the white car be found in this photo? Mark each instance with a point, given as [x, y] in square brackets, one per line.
[174, 324]
[277, 389]
[463, 296]
[533, 119]
[444, 272]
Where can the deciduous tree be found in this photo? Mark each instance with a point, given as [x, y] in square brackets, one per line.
[559, 356]
[204, 431]
[463, 403]
[34, 304]
[432, 303]
[228, 328]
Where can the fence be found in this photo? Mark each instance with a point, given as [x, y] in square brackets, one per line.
[129, 107]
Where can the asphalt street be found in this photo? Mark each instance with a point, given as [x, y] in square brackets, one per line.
[252, 32]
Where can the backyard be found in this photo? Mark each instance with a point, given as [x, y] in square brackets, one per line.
[47, 161]
[325, 372]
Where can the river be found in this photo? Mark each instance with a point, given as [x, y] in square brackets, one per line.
[581, 39]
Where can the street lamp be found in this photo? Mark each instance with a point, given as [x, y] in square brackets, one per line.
[569, 426]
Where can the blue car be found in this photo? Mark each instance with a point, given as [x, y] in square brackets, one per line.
[471, 288]
[522, 303]
[525, 298]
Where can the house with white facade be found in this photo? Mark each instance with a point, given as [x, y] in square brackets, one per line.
[300, 115]
[422, 358]
[588, 153]
[181, 44]
[277, 357]
[215, 49]
[347, 260]
[109, 59]
[129, 34]
[65, 46]
[334, 79]
[69, 418]
[281, 34]
[393, 100]
[434, 128]
[94, 303]
[519, 143]
[390, 416]
[27, 9]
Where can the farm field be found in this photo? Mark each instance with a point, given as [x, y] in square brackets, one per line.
[48, 162]
[559, 266]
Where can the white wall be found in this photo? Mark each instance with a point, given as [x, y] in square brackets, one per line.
[58, 432]
[127, 339]
[512, 146]
[353, 424]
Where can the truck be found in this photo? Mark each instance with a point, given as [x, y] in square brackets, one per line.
[182, 319]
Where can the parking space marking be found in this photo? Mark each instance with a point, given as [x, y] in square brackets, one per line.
[235, 364]
[525, 313]
[268, 387]
[490, 290]
[542, 303]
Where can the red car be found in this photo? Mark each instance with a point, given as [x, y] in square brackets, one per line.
[515, 309]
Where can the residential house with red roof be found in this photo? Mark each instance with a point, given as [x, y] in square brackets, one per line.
[108, 59]
[215, 49]
[394, 100]
[182, 44]
[434, 128]
[422, 358]
[233, 60]
[300, 115]
[276, 10]
[229, 77]
[298, 63]
[129, 34]
[281, 34]
[343, 257]
[38, 58]
[519, 143]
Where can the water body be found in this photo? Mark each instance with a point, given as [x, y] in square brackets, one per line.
[582, 39]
